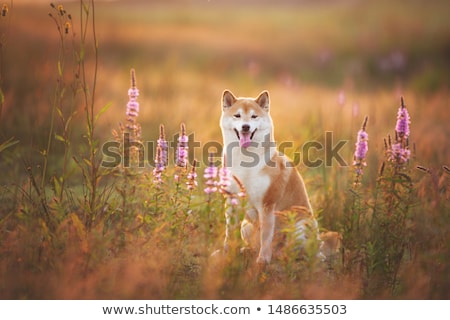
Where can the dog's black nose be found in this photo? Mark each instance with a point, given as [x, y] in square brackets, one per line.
[245, 128]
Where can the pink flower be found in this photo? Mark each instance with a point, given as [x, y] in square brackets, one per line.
[182, 148]
[362, 145]
[132, 108]
[399, 152]
[224, 179]
[159, 166]
[133, 93]
[210, 175]
[403, 121]
[192, 177]
[163, 145]
[234, 201]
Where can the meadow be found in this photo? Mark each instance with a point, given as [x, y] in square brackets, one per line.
[73, 226]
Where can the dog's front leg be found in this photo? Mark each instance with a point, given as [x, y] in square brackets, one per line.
[248, 228]
[267, 223]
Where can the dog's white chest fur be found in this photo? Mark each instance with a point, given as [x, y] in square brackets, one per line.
[255, 182]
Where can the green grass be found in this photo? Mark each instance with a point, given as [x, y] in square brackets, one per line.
[138, 241]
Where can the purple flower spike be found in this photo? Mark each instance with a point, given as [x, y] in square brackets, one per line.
[133, 93]
[162, 143]
[224, 178]
[182, 148]
[403, 121]
[132, 108]
[210, 175]
[132, 111]
[362, 145]
[159, 166]
[398, 152]
[192, 177]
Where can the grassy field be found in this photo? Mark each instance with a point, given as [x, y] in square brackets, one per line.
[72, 229]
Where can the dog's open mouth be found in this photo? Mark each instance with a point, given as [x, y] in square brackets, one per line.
[245, 138]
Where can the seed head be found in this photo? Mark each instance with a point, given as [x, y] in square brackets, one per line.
[61, 10]
[5, 10]
[67, 27]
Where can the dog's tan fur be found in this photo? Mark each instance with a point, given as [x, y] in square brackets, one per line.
[272, 186]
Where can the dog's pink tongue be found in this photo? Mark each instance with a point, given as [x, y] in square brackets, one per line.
[245, 140]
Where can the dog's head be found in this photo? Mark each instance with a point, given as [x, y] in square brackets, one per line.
[245, 120]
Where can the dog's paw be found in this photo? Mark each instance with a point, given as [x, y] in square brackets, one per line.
[262, 261]
[262, 265]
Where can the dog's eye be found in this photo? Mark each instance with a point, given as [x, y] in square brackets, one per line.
[237, 115]
[254, 116]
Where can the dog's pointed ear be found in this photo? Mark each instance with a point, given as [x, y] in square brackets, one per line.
[228, 99]
[263, 100]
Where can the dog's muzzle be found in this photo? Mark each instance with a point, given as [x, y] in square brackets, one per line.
[245, 136]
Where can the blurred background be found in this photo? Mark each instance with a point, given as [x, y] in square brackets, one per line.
[326, 63]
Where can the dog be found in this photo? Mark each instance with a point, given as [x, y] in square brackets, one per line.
[273, 186]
